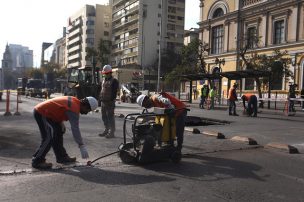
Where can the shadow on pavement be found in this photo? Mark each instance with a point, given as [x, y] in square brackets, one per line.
[109, 177]
[208, 169]
[16, 144]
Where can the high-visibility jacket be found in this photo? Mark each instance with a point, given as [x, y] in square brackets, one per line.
[247, 96]
[232, 94]
[56, 108]
[173, 100]
[212, 93]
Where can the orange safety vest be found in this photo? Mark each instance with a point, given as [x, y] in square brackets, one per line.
[231, 94]
[247, 96]
[55, 108]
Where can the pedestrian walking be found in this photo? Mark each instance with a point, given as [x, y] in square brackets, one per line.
[50, 116]
[108, 95]
[212, 95]
[232, 97]
[252, 106]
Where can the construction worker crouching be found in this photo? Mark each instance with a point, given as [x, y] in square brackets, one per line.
[252, 107]
[164, 100]
[50, 116]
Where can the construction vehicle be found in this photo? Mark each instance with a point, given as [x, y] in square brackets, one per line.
[21, 85]
[129, 92]
[35, 87]
[153, 137]
[84, 82]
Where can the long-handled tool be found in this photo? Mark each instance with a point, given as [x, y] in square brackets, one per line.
[89, 163]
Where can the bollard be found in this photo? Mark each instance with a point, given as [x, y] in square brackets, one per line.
[7, 112]
[17, 113]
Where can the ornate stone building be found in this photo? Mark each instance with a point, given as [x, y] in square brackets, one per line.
[228, 25]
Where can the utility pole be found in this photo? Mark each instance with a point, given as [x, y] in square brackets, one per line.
[159, 46]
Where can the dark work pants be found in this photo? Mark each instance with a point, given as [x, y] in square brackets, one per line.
[253, 105]
[107, 115]
[51, 136]
[232, 107]
[180, 127]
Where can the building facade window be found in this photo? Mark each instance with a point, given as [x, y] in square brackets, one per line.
[217, 39]
[218, 13]
[251, 37]
[279, 32]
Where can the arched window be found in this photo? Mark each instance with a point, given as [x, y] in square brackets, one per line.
[218, 13]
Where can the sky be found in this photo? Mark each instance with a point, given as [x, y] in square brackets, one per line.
[31, 22]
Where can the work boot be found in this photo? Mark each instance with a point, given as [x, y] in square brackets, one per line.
[42, 165]
[66, 159]
[235, 114]
[104, 133]
[110, 135]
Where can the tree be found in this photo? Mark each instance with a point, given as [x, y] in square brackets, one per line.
[101, 53]
[277, 63]
[192, 61]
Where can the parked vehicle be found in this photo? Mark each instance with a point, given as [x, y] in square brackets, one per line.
[21, 85]
[35, 87]
[129, 92]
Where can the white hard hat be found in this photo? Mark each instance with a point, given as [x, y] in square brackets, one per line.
[106, 69]
[93, 103]
[140, 99]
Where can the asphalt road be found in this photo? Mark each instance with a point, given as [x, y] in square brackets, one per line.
[211, 169]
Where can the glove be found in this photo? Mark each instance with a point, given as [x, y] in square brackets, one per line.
[84, 152]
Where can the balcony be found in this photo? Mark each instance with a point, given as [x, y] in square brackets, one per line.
[75, 32]
[74, 64]
[75, 56]
[247, 3]
[75, 40]
[75, 48]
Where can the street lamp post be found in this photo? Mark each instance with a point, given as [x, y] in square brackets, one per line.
[159, 47]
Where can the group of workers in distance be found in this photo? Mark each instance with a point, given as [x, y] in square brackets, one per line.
[206, 94]
[251, 99]
[51, 114]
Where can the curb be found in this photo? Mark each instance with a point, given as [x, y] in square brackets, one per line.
[290, 149]
[218, 135]
[249, 140]
[193, 130]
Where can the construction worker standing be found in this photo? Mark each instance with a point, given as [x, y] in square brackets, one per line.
[232, 97]
[108, 95]
[252, 106]
[212, 94]
[50, 116]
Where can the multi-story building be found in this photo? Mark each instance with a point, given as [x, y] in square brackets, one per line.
[86, 28]
[55, 52]
[45, 45]
[190, 34]
[142, 30]
[17, 57]
[227, 26]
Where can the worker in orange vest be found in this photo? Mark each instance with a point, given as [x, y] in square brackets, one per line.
[165, 100]
[232, 97]
[252, 106]
[50, 116]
